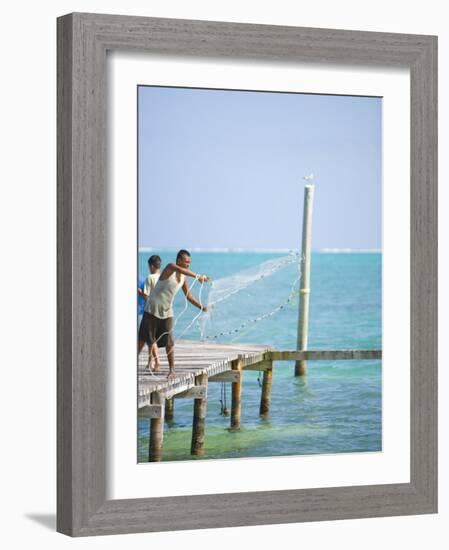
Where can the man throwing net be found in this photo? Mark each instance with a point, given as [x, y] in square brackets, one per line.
[159, 314]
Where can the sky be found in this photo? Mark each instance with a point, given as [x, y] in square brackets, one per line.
[224, 169]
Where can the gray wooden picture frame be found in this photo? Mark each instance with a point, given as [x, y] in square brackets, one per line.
[83, 40]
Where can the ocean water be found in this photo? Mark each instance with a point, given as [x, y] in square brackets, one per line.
[336, 408]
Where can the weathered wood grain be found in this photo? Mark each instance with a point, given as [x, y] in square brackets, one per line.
[156, 428]
[324, 355]
[199, 416]
[265, 397]
[236, 395]
[192, 360]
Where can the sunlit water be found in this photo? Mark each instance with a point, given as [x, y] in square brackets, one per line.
[336, 408]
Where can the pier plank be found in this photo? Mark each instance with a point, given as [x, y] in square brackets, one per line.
[325, 355]
[192, 360]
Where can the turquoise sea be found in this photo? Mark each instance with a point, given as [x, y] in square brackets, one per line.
[336, 408]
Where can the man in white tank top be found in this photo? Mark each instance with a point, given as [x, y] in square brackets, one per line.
[159, 308]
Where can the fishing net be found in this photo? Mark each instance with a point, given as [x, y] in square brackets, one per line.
[237, 302]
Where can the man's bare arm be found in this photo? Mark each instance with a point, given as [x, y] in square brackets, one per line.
[175, 267]
[192, 299]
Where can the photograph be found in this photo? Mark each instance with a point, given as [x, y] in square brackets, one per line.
[259, 234]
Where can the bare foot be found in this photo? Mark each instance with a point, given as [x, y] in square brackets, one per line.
[153, 366]
[171, 374]
[156, 366]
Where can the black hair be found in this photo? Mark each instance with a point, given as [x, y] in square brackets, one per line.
[182, 253]
[155, 261]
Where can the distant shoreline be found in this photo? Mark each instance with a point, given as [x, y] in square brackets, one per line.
[267, 250]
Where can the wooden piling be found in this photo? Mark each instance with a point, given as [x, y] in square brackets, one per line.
[156, 429]
[236, 395]
[199, 419]
[169, 409]
[266, 390]
[304, 291]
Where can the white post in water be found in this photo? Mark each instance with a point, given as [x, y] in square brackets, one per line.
[304, 290]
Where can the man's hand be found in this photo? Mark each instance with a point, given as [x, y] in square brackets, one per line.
[203, 278]
[203, 308]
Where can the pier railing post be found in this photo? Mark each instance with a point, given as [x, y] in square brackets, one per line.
[199, 419]
[266, 390]
[236, 395]
[304, 291]
[156, 430]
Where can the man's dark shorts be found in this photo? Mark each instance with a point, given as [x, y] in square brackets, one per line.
[152, 329]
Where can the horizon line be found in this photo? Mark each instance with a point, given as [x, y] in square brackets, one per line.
[325, 250]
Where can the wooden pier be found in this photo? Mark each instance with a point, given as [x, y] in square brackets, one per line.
[199, 363]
